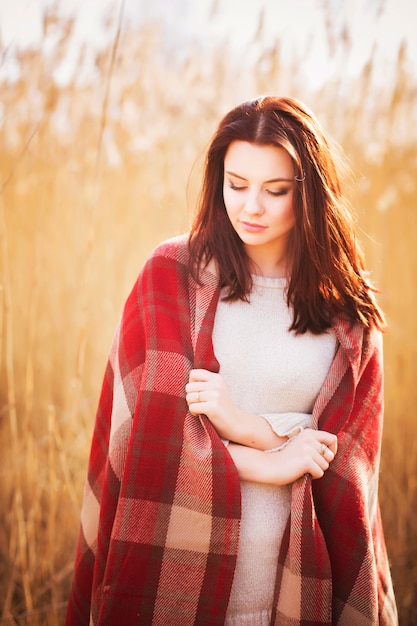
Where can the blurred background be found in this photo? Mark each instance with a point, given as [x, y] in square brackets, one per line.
[106, 108]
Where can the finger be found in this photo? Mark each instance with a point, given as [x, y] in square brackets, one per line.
[191, 387]
[194, 409]
[329, 440]
[326, 452]
[317, 471]
[333, 445]
[319, 466]
[194, 397]
[200, 375]
[195, 402]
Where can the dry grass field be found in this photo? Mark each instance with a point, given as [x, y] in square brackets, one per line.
[92, 176]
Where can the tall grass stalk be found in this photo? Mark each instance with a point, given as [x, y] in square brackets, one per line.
[19, 554]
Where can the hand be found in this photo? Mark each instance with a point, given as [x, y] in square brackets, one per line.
[305, 454]
[206, 392]
[310, 452]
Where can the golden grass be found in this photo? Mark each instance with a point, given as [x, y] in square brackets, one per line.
[80, 208]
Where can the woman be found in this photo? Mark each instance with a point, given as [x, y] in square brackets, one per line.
[234, 464]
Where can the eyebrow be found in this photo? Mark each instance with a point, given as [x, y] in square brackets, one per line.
[273, 180]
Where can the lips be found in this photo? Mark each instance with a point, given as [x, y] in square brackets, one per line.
[252, 228]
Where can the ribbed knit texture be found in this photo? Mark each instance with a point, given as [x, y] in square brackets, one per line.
[277, 374]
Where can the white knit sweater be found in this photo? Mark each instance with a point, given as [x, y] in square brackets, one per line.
[277, 374]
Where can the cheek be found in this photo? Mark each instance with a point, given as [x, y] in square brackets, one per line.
[289, 211]
[283, 212]
[230, 202]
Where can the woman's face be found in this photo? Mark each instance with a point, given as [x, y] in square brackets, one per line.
[258, 192]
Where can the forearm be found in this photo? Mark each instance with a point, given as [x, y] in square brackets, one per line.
[206, 393]
[252, 464]
[254, 431]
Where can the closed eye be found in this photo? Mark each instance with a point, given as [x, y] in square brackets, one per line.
[237, 187]
[281, 192]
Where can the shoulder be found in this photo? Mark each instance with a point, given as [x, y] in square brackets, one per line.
[166, 268]
[168, 258]
[361, 345]
[162, 281]
[355, 337]
[175, 248]
[174, 255]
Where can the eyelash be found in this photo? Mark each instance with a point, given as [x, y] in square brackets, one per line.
[282, 192]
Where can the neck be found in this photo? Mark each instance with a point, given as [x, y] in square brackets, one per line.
[265, 265]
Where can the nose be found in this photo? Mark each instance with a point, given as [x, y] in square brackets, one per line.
[253, 205]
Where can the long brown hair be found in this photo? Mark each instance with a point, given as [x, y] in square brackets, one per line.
[328, 274]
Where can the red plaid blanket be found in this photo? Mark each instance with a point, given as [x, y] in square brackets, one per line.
[160, 515]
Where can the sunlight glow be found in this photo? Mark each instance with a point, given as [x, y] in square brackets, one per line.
[302, 28]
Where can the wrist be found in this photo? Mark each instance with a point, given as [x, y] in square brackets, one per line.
[242, 428]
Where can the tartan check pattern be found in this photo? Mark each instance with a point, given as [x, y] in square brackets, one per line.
[161, 510]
